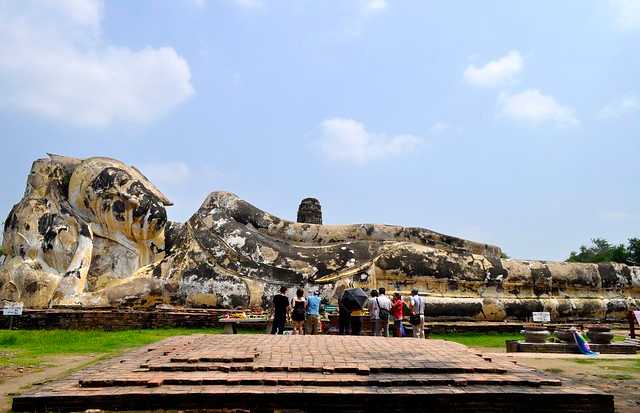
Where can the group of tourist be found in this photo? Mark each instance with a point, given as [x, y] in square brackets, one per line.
[382, 310]
[304, 313]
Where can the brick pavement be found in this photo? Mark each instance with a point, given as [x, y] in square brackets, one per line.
[264, 372]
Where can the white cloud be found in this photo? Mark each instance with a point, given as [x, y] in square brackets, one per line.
[83, 12]
[54, 63]
[496, 72]
[372, 6]
[360, 12]
[533, 107]
[347, 140]
[199, 3]
[246, 4]
[243, 4]
[439, 127]
[626, 14]
[166, 173]
[625, 106]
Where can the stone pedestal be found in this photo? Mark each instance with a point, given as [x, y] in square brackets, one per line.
[564, 335]
[599, 334]
[535, 334]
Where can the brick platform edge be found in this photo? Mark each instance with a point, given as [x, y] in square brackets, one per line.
[264, 373]
[572, 348]
[476, 400]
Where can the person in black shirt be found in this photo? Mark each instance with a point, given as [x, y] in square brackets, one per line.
[344, 318]
[280, 311]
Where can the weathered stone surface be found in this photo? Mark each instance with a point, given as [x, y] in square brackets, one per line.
[94, 232]
[80, 227]
[310, 211]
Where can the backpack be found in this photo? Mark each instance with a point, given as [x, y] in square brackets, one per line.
[383, 313]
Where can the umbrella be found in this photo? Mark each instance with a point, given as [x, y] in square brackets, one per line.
[353, 299]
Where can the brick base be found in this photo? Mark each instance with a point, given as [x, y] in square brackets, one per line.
[310, 373]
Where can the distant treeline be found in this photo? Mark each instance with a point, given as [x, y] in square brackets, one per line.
[601, 250]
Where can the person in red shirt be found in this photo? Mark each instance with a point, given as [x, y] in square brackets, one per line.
[396, 312]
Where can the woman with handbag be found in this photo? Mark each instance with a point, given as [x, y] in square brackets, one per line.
[299, 305]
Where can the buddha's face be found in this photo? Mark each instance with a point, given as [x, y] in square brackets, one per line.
[123, 203]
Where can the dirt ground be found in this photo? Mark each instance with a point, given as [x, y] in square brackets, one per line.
[12, 379]
[615, 374]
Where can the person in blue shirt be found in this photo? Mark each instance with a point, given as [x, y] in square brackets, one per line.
[313, 325]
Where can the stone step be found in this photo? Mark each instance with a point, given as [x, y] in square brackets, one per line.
[383, 380]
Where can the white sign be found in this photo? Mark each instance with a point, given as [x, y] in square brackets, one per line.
[541, 317]
[12, 309]
[637, 314]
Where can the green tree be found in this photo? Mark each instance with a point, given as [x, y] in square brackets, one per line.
[601, 251]
[633, 251]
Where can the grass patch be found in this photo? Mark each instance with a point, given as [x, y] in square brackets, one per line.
[616, 376]
[587, 361]
[633, 363]
[18, 359]
[8, 340]
[43, 342]
[490, 339]
[553, 370]
[26, 348]
[630, 368]
[622, 366]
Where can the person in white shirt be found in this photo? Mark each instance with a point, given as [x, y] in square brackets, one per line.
[374, 312]
[417, 307]
[384, 313]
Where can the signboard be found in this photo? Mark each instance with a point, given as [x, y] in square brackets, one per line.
[12, 309]
[541, 317]
[637, 314]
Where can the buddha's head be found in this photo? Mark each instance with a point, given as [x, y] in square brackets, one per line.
[119, 197]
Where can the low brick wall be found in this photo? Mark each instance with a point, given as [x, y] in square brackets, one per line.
[112, 319]
[473, 326]
[572, 348]
[125, 318]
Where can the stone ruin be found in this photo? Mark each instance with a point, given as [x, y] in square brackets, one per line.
[310, 212]
[94, 232]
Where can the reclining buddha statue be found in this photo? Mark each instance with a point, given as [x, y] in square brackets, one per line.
[94, 232]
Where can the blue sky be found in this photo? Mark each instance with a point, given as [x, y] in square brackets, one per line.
[511, 123]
